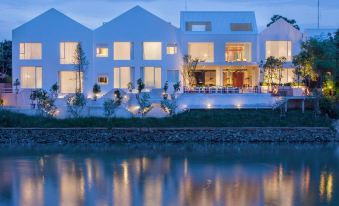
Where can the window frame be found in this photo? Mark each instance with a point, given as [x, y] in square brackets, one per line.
[102, 76]
[171, 46]
[289, 51]
[131, 45]
[205, 61]
[24, 50]
[98, 54]
[244, 43]
[154, 85]
[37, 84]
[62, 58]
[143, 51]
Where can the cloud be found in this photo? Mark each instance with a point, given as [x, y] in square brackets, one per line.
[92, 13]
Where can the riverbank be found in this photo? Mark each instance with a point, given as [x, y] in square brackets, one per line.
[61, 136]
[191, 119]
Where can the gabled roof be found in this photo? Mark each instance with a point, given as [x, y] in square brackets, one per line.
[136, 13]
[280, 25]
[220, 20]
[51, 16]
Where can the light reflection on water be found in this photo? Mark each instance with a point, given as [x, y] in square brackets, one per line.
[196, 175]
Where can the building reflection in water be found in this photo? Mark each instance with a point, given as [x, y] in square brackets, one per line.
[159, 180]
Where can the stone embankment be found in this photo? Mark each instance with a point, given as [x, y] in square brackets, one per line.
[32, 136]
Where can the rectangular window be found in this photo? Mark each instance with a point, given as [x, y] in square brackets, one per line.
[241, 27]
[238, 52]
[122, 76]
[172, 75]
[152, 50]
[152, 77]
[69, 81]
[102, 52]
[199, 26]
[30, 51]
[122, 50]
[102, 79]
[202, 50]
[279, 49]
[67, 52]
[171, 49]
[31, 77]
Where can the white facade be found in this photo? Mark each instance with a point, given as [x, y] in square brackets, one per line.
[138, 44]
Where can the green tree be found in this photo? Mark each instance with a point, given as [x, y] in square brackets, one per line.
[5, 59]
[276, 17]
[80, 66]
[188, 70]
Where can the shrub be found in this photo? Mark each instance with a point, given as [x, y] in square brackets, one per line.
[144, 104]
[75, 104]
[130, 86]
[96, 90]
[54, 90]
[110, 105]
[328, 107]
[45, 103]
[170, 105]
[1, 102]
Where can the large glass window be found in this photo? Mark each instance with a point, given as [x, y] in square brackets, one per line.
[238, 52]
[279, 49]
[30, 51]
[152, 77]
[122, 76]
[202, 50]
[67, 52]
[122, 51]
[69, 81]
[152, 50]
[31, 77]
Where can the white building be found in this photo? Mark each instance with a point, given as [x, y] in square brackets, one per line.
[138, 44]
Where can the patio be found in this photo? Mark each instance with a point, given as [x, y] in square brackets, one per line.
[222, 90]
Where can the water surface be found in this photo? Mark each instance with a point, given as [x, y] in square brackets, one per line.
[235, 175]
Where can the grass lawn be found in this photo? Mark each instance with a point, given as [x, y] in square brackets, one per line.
[194, 118]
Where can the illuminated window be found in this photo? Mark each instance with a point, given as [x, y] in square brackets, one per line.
[171, 49]
[238, 52]
[122, 50]
[102, 52]
[67, 52]
[172, 75]
[152, 50]
[31, 77]
[122, 76]
[152, 77]
[69, 81]
[279, 49]
[103, 79]
[30, 51]
[202, 50]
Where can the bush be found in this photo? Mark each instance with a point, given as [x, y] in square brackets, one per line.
[110, 105]
[96, 90]
[328, 107]
[45, 102]
[1, 102]
[75, 104]
[144, 104]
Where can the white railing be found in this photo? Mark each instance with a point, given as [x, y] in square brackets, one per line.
[222, 90]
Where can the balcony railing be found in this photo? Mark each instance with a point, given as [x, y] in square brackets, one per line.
[222, 90]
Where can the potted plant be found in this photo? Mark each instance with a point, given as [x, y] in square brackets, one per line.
[33, 97]
[130, 87]
[96, 90]
[16, 84]
[54, 90]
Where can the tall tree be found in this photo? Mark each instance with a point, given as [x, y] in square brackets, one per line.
[5, 59]
[188, 71]
[80, 66]
[290, 21]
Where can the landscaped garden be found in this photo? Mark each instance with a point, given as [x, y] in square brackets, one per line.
[193, 118]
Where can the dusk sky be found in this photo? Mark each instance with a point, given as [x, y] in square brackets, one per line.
[93, 13]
